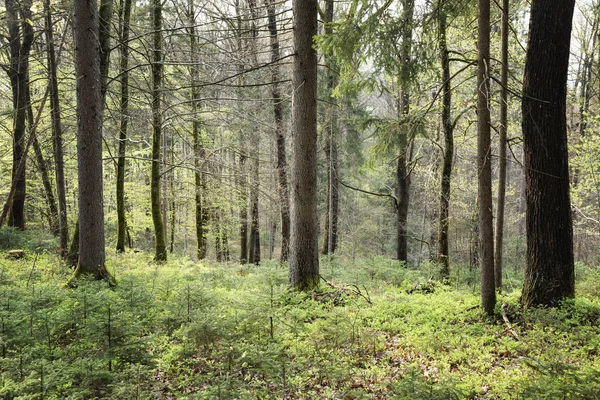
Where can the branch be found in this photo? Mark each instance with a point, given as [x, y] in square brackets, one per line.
[371, 193]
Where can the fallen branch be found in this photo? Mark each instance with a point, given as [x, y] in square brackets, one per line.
[507, 322]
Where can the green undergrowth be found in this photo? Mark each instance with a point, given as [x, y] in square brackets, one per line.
[375, 330]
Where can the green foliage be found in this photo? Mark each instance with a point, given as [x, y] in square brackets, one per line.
[377, 329]
[29, 240]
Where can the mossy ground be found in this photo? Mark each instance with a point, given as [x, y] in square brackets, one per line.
[190, 330]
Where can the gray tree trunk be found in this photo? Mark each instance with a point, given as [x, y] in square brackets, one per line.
[304, 247]
[89, 141]
[484, 156]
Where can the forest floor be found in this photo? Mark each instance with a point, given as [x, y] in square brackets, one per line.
[375, 330]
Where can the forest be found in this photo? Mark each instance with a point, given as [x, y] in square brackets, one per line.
[300, 199]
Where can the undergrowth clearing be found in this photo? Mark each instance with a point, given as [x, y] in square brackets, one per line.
[375, 330]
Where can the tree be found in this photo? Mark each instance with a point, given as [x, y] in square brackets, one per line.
[499, 246]
[484, 157]
[124, 110]
[549, 271]
[20, 31]
[157, 72]
[304, 247]
[448, 128]
[282, 185]
[57, 141]
[403, 109]
[330, 232]
[89, 141]
[199, 151]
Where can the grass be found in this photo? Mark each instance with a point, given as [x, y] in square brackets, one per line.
[196, 331]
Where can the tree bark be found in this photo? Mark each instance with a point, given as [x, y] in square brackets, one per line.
[304, 247]
[330, 232]
[43, 169]
[20, 36]
[89, 141]
[443, 248]
[199, 151]
[499, 245]
[549, 273]
[124, 111]
[157, 70]
[402, 174]
[279, 134]
[486, 228]
[57, 142]
[254, 250]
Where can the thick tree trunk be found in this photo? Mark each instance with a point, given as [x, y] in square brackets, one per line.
[157, 70]
[20, 36]
[104, 20]
[279, 134]
[549, 274]
[124, 108]
[57, 142]
[448, 127]
[304, 247]
[499, 246]
[484, 156]
[89, 141]
[330, 233]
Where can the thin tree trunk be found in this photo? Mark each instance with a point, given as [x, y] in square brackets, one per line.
[20, 35]
[486, 227]
[443, 248]
[57, 142]
[242, 182]
[124, 111]
[43, 168]
[304, 247]
[279, 134]
[499, 246]
[549, 274]
[254, 250]
[402, 174]
[331, 132]
[199, 151]
[157, 70]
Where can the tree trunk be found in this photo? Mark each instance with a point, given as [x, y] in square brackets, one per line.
[304, 247]
[104, 21]
[254, 251]
[103, 31]
[157, 70]
[330, 233]
[199, 151]
[89, 141]
[279, 134]
[124, 111]
[484, 193]
[402, 174]
[20, 35]
[43, 168]
[499, 246]
[549, 274]
[448, 156]
[57, 143]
